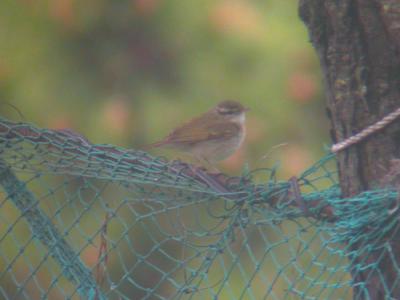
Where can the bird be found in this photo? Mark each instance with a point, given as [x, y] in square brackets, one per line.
[211, 137]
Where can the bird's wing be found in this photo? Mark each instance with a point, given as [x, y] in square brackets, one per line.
[197, 132]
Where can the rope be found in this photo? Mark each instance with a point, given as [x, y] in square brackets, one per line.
[366, 132]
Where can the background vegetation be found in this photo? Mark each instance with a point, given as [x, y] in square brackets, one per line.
[127, 72]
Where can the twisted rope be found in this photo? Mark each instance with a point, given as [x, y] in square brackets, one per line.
[366, 132]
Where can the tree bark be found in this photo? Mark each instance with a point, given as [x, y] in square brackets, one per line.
[358, 43]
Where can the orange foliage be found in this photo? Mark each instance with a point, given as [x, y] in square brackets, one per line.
[295, 159]
[236, 160]
[145, 7]
[90, 254]
[60, 121]
[237, 17]
[63, 12]
[301, 87]
[116, 115]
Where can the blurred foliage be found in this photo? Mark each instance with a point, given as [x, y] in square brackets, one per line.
[127, 72]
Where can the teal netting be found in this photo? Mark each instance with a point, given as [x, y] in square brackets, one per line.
[85, 221]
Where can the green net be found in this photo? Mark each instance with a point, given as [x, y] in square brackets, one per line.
[85, 221]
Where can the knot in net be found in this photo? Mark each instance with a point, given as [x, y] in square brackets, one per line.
[85, 221]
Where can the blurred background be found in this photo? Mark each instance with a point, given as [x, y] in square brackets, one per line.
[127, 72]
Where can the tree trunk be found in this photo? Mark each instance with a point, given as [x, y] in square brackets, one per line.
[358, 43]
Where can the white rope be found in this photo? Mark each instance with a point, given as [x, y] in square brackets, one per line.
[366, 132]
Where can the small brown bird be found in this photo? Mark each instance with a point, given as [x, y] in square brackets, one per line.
[213, 136]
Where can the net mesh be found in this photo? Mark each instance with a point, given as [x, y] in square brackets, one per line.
[85, 221]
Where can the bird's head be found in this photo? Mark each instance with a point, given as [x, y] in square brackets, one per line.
[231, 110]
